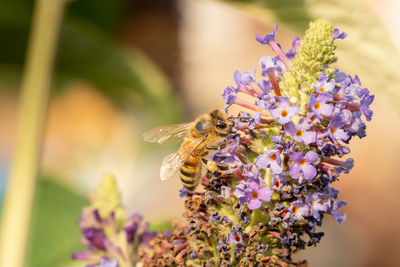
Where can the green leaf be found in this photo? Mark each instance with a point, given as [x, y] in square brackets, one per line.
[88, 52]
[54, 232]
[126, 77]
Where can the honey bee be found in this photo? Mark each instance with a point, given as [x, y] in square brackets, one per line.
[201, 135]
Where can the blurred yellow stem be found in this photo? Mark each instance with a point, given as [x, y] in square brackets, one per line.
[33, 103]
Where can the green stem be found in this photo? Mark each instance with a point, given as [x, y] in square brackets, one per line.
[33, 103]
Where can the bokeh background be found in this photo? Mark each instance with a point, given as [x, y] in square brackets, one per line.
[124, 66]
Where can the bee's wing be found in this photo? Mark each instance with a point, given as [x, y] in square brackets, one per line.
[163, 133]
[173, 162]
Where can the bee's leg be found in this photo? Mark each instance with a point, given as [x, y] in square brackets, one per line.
[215, 166]
[217, 147]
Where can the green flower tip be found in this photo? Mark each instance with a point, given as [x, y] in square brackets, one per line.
[107, 198]
[315, 53]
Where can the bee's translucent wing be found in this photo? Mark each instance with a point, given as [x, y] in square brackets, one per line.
[163, 133]
[173, 162]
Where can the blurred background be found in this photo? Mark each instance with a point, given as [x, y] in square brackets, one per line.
[125, 66]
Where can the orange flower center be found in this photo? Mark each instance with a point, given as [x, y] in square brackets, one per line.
[333, 130]
[317, 105]
[254, 194]
[322, 89]
[302, 162]
[237, 238]
[295, 210]
[299, 133]
[277, 183]
[273, 156]
[284, 113]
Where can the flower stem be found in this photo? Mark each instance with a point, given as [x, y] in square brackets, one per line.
[34, 97]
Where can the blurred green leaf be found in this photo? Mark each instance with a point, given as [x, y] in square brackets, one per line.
[88, 52]
[367, 51]
[126, 77]
[55, 234]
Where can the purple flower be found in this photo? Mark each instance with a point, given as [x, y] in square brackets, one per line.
[183, 192]
[96, 237]
[265, 86]
[251, 171]
[244, 78]
[339, 35]
[365, 103]
[296, 43]
[251, 191]
[229, 95]
[284, 111]
[265, 101]
[334, 129]
[317, 204]
[340, 76]
[255, 120]
[347, 165]
[215, 217]
[357, 127]
[300, 133]
[323, 86]
[225, 192]
[269, 64]
[350, 92]
[338, 216]
[298, 209]
[237, 236]
[303, 165]
[132, 228]
[270, 37]
[228, 156]
[319, 106]
[278, 181]
[271, 159]
[293, 51]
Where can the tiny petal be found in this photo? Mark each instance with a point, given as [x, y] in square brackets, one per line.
[265, 194]
[309, 171]
[311, 157]
[254, 204]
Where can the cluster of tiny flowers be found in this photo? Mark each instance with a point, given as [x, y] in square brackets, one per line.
[273, 185]
[111, 238]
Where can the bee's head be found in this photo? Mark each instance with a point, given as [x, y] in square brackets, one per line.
[221, 122]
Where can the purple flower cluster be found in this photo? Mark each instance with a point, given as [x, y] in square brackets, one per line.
[273, 183]
[111, 241]
[284, 158]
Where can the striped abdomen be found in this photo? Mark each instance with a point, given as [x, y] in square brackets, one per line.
[190, 172]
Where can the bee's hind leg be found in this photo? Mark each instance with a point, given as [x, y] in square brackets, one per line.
[215, 166]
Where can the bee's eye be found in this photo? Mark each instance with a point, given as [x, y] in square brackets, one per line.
[220, 124]
[199, 126]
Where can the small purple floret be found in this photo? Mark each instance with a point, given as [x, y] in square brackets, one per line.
[270, 37]
[284, 111]
[303, 165]
[271, 159]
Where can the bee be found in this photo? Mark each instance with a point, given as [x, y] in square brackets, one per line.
[203, 134]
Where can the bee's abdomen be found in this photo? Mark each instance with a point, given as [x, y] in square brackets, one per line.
[190, 172]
